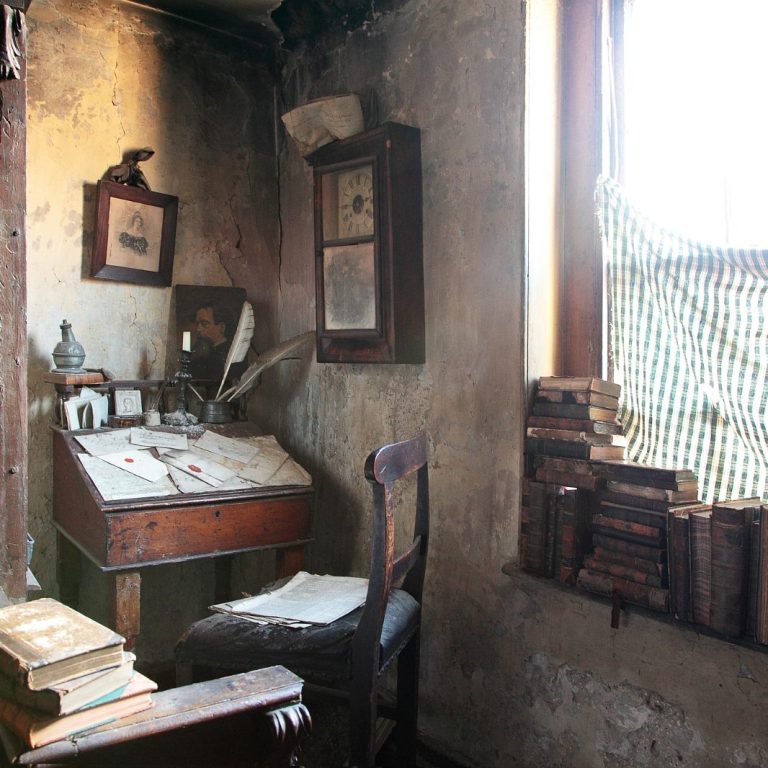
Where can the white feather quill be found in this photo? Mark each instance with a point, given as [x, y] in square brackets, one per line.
[241, 342]
[266, 360]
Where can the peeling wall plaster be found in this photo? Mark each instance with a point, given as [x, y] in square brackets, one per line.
[105, 77]
[515, 672]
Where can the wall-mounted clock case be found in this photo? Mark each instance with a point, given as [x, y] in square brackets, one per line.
[368, 247]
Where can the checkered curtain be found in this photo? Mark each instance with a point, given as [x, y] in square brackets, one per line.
[689, 338]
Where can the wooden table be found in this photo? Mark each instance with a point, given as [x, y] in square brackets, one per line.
[185, 728]
[121, 537]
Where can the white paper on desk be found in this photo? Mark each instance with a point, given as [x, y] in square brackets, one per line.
[138, 462]
[198, 466]
[273, 466]
[306, 598]
[231, 448]
[156, 438]
[115, 485]
[113, 441]
[186, 483]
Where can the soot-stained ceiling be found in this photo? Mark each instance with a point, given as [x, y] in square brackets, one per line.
[277, 22]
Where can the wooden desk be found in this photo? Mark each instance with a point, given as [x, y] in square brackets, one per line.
[121, 537]
[184, 729]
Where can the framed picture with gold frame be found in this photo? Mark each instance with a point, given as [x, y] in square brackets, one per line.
[135, 235]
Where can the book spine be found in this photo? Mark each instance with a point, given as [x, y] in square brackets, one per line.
[730, 553]
[640, 594]
[565, 448]
[576, 480]
[632, 515]
[761, 629]
[630, 561]
[753, 580]
[649, 552]
[701, 568]
[594, 563]
[603, 523]
[572, 535]
[680, 569]
[533, 528]
[571, 411]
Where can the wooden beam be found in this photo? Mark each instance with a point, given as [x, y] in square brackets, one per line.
[13, 315]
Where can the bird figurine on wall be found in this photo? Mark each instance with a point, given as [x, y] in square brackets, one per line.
[128, 172]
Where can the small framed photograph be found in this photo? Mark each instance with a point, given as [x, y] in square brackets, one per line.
[127, 402]
[135, 234]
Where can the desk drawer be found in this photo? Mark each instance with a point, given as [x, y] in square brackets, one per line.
[181, 533]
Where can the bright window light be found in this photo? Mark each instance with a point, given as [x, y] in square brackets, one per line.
[696, 134]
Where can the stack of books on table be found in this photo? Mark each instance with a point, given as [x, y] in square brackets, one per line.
[641, 538]
[62, 673]
[574, 424]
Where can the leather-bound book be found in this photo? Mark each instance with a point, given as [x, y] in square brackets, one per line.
[731, 523]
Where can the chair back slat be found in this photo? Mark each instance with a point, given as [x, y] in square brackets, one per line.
[406, 561]
[398, 460]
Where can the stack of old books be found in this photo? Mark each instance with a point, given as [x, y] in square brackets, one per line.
[640, 536]
[62, 673]
[573, 426]
[574, 423]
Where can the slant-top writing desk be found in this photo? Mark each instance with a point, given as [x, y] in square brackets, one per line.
[121, 537]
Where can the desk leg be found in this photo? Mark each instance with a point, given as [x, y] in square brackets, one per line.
[284, 728]
[126, 608]
[289, 561]
[68, 566]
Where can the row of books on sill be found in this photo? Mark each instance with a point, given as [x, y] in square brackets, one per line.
[617, 528]
[62, 673]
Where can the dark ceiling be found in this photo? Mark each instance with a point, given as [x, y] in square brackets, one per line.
[275, 22]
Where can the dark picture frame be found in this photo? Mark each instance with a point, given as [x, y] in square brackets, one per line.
[135, 235]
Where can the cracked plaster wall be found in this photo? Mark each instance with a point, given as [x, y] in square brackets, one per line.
[105, 77]
[515, 672]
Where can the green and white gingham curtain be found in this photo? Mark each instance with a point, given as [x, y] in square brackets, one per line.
[689, 338]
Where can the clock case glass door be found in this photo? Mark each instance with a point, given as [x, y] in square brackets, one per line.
[368, 264]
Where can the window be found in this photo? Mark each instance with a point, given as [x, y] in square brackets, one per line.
[689, 312]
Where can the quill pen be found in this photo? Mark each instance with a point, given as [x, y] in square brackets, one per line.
[267, 360]
[241, 341]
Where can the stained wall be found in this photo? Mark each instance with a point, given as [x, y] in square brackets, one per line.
[105, 77]
[516, 672]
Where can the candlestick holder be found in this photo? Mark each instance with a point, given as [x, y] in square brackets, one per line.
[180, 417]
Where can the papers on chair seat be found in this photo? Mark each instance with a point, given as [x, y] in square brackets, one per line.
[305, 600]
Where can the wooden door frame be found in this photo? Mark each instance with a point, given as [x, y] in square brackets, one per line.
[14, 444]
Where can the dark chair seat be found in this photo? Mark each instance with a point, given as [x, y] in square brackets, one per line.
[318, 654]
[349, 655]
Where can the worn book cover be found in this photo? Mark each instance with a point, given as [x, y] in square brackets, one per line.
[678, 544]
[577, 397]
[653, 552]
[631, 561]
[69, 696]
[648, 475]
[575, 383]
[44, 642]
[573, 411]
[700, 524]
[629, 530]
[687, 491]
[761, 608]
[37, 729]
[633, 514]
[594, 563]
[641, 594]
[572, 449]
[731, 524]
[610, 427]
[593, 438]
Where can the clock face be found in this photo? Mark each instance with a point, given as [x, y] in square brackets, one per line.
[356, 202]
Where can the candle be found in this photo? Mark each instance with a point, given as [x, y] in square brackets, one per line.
[186, 341]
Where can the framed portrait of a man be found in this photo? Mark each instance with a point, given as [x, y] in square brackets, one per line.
[209, 314]
[135, 234]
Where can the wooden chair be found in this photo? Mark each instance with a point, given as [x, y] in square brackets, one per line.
[352, 653]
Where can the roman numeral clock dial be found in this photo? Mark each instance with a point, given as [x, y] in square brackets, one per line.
[369, 279]
[356, 203]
